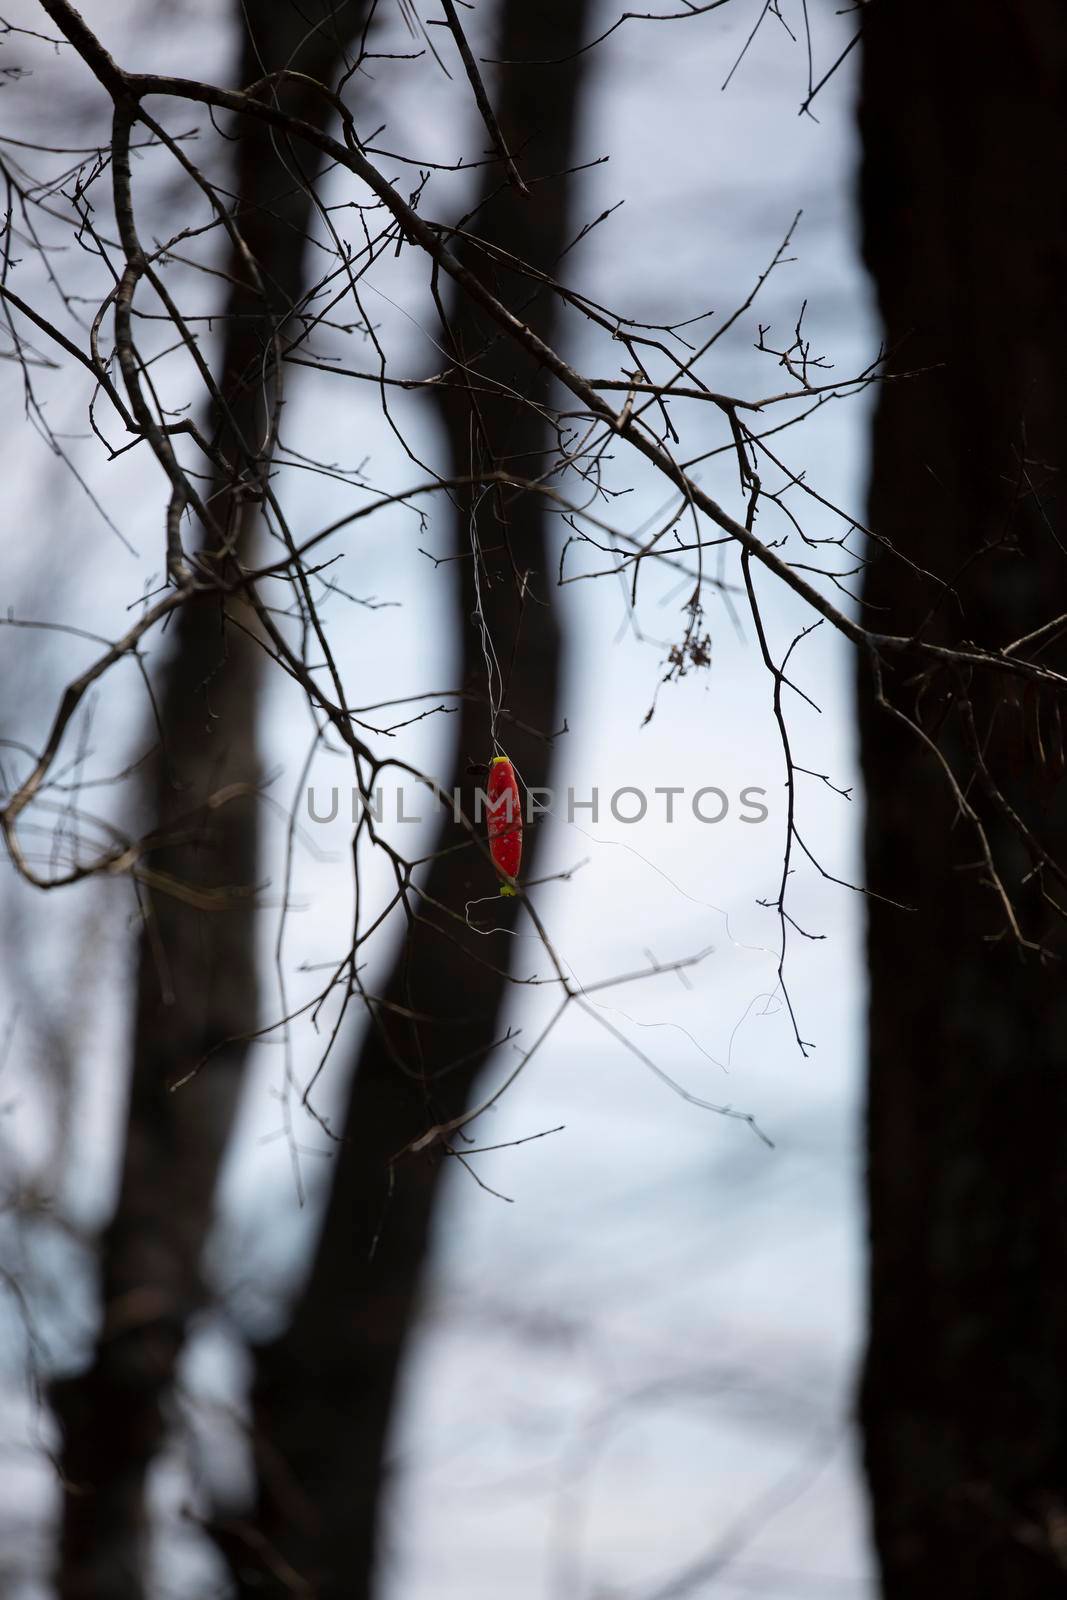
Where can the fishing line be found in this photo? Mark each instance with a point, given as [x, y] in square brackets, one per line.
[494, 678]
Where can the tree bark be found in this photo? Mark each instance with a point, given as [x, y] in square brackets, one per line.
[197, 989]
[964, 1392]
[325, 1391]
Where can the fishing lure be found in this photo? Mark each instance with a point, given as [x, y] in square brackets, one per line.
[504, 820]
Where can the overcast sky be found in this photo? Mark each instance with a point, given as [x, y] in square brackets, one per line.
[645, 1361]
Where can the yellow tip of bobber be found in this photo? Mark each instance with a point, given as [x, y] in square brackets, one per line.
[505, 888]
[496, 759]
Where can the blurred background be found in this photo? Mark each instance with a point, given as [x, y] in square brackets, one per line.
[633, 1376]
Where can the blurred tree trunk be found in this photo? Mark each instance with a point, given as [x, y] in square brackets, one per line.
[196, 988]
[964, 1399]
[325, 1390]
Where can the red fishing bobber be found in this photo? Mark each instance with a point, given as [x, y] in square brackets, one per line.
[504, 820]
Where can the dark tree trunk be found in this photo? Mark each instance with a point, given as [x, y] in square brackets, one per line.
[325, 1390]
[197, 988]
[964, 1398]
